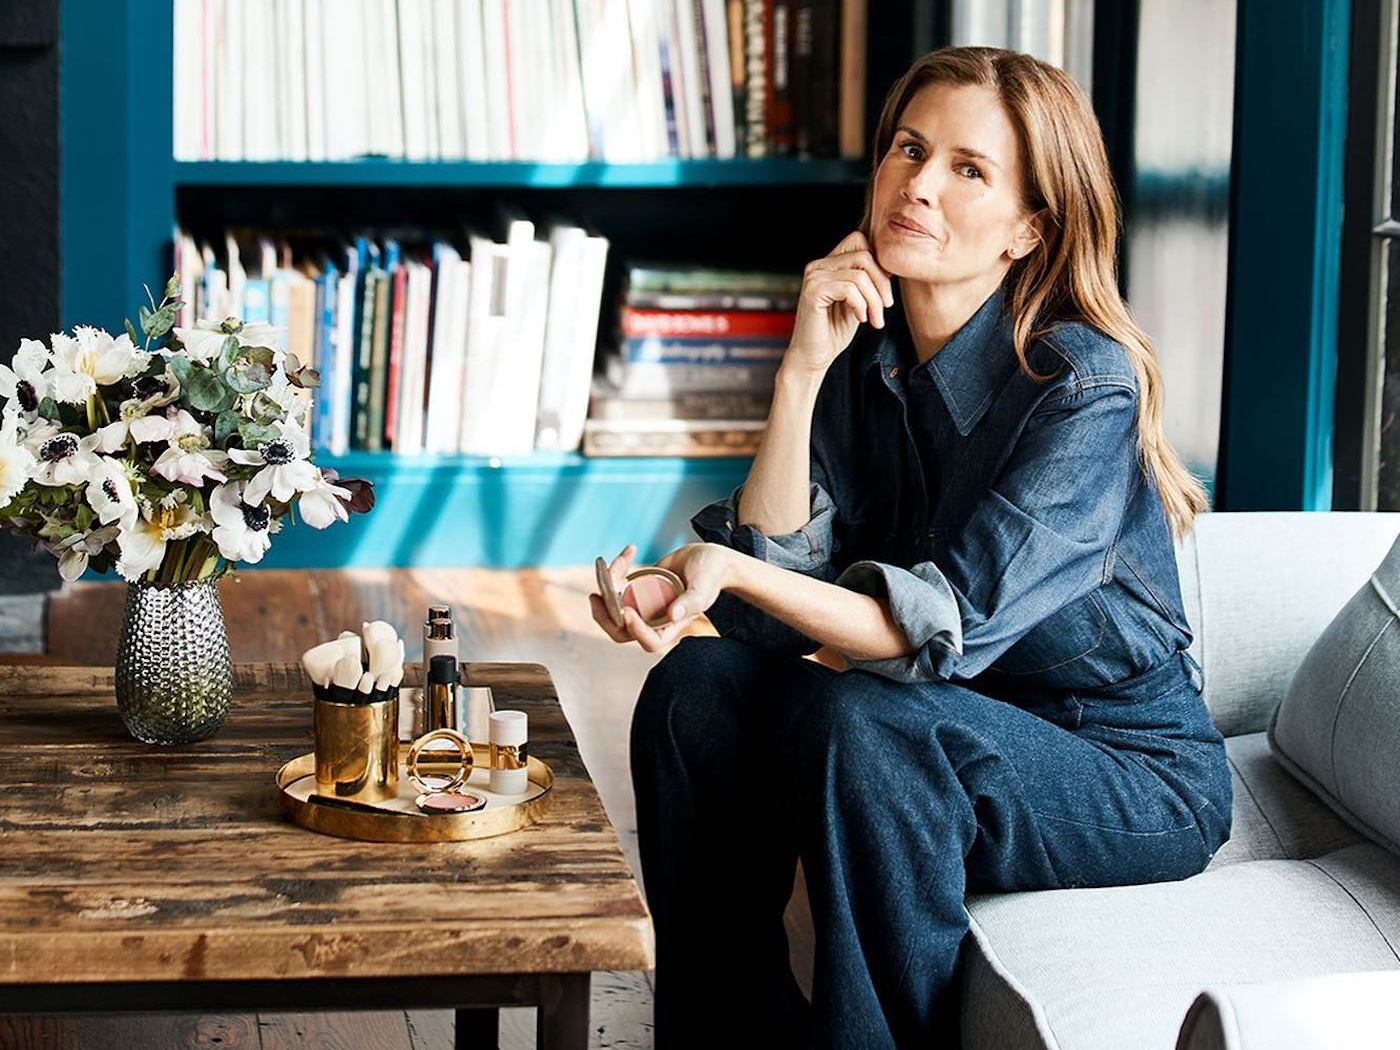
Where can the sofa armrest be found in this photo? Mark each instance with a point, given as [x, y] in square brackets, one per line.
[1355, 1011]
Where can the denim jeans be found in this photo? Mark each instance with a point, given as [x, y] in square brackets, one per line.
[899, 798]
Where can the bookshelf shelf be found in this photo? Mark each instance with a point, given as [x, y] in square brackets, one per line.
[401, 173]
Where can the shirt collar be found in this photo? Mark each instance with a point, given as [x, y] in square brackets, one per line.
[970, 368]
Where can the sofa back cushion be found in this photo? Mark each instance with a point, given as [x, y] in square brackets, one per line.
[1259, 587]
[1337, 725]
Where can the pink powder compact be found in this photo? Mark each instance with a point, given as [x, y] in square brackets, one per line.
[449, 802]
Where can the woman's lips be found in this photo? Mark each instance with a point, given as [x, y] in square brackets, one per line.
[908, 227]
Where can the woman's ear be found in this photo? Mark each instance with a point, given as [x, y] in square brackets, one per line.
[1029, 233]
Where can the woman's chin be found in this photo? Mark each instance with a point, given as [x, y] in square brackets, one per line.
[899, 258]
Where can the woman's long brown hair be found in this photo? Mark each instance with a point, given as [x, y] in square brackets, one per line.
[1073, 273]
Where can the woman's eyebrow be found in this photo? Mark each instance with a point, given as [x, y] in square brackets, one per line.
[965, 151]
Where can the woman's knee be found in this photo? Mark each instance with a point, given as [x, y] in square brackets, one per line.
[694, 686]
[858, 721]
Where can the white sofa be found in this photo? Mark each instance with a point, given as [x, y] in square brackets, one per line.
[1299, 909]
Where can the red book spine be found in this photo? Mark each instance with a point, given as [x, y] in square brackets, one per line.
[706, 324]
[397, 319]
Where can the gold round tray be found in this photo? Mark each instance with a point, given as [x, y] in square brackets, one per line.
[399, 819]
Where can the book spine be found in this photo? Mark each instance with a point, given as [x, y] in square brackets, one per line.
[720, 438]
[608, 404]
[656, 378]
[702, 352]
[709, 301]
[729, 324]
[755, 78]
[781, 139]
[394, 386]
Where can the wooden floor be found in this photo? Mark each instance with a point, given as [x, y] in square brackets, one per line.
[535, 615]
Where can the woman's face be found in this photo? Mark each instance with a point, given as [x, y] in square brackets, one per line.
[947, 206]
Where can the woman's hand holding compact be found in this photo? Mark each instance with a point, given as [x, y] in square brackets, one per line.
[655, 605]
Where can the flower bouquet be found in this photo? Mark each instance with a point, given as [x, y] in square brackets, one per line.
[174, 455]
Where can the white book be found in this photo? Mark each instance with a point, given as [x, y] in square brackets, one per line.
[609, 96]
[685, 81]
[187, 77]
[295, 102]
[446, 65]
[386, 100]
[341, 390]
[674, 72]
[228, 80]
[471, 80]
[342, 29]
[588, 307]
[451, 272]
[314, 63]
[414, 71]
[644, 19]
[209, 44]
[260, 111]
[487, 322]
[565, 275]
[715, 22]
[413, 371]
[569, 120]
[528, 81]
[498, 98]
[516, 380]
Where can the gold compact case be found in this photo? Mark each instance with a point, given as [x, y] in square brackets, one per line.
[613, 601]
[440, 761]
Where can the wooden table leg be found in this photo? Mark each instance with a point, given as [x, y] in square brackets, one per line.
[477, 1028]
[562, 1017]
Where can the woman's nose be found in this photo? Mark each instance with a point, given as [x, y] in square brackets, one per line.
[923, 185]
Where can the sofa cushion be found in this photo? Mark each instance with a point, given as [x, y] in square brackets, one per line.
[1102, 969]
[1338, 722]
[1341, 1011]
[1275, 817]
[1259, 587]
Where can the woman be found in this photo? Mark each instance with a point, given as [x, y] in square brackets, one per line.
[963, 491]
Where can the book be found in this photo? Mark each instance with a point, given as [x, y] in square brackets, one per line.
[608, 402]
[851, 79]
[398, 295]
[662, 378]
[452, 276]
[408, 433]
[672, 437]
[634, 321]
[714, 61]
[571, 336]
[648, 277]
[702, 352]
[756, 75]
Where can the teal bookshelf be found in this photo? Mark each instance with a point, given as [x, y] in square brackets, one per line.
[123, 195]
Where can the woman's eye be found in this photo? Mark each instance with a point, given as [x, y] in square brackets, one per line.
[970, 171]
[912, 150]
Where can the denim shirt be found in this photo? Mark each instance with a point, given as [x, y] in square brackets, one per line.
[1042, 559]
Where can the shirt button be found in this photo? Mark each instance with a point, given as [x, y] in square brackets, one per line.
[894, 372]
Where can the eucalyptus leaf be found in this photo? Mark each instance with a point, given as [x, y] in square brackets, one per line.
[250, 371]
[255, 434]
[226, 426]
[206, 392]
[131, 331]
[172, 286]
[227, 352]
[160, 322]
[48, 408]
[305, 378]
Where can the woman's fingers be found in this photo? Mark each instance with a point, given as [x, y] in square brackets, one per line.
[621, 566]
[652, 639]
[858, 259]
[604, 620]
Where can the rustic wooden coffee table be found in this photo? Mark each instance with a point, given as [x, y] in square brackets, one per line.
[143, 878]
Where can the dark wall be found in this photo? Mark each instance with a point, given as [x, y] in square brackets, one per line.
[29, 273]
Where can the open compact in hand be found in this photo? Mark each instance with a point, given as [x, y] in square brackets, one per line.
[650, 597]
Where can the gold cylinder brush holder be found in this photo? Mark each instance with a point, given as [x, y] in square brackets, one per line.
[357, 749]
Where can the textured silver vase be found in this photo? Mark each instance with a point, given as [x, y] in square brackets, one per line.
[174, 677]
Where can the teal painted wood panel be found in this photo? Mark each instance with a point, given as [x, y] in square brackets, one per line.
[545, 509]
[1286, 224]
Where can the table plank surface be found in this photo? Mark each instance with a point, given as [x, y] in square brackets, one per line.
[122, 861]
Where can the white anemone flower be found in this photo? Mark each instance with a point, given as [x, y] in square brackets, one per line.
[61, 457]
[190, 457]
[74, 552]
[109, 492]
[16, 463]
[240, 528]
[28, 379]
[142, 541]
[320, 505]
[204, 341]
[286, 470]
[133, 424]
[92, 358]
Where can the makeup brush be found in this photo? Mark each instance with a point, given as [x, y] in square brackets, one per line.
[320, 660]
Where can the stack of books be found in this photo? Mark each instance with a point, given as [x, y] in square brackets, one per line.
[461, 343]
[691, 368]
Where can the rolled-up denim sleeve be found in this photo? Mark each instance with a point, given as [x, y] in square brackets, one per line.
[924, 607]
[807, 550]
